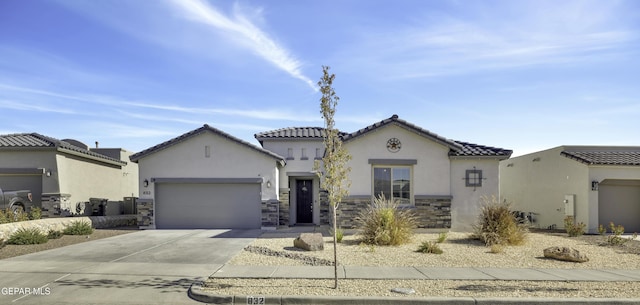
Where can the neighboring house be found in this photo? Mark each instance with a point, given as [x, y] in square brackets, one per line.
[206, 178]
[442, 179]
[63, 174]
[595, 184]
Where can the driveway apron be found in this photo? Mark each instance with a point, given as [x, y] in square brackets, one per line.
[146, 267]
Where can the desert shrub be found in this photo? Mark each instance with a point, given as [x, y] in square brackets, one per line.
[384, 224]
[616, 235]
[602, 230]
[35, 213]
[498, 225]
[78, 227]
[496, 248]
[29, 236]
[53, 234]
[572, 228]
[4, 217]
[339, 235]
[441, 237]
[430, 247]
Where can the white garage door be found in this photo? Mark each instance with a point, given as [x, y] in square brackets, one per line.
[619, 201]
[207, 206]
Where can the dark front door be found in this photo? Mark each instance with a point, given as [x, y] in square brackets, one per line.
[304, 201]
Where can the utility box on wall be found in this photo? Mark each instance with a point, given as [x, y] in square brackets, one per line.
[570, 205]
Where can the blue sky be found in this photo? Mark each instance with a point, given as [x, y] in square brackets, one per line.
[521, 75]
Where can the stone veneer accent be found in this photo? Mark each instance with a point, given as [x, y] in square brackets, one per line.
[431, 211]
[56, 205]
[270, 215]
[434, 212]
[145, 213]
[283, 218]
[59, 223]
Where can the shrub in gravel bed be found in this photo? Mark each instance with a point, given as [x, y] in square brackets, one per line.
[78, 227]
[29, 236]
[498, 225]
[574, 229]
[430, 247]
[384, 224]
[53, 234]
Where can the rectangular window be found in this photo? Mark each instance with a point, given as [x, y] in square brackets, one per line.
[303, 154]
[318, 153]
[473, 178]
[207, 151]
[393, 182]
[290, 154]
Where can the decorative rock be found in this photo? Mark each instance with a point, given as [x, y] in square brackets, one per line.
[403, 290]
[565, 254]
[309, 242]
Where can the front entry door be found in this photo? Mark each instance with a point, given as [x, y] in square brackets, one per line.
[304, 201]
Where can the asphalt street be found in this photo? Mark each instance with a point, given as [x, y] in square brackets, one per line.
[145, 267]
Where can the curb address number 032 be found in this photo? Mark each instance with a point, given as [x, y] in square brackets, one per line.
[256, 300]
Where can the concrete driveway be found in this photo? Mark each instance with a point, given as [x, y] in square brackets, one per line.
[145, 267]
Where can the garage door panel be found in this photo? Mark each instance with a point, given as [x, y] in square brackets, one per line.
[207, 206]
[619, 201]
[23, 182]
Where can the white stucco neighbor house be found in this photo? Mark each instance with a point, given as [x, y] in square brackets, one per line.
[206, 178]
[441, 179]
[64, 174]
[595, 184]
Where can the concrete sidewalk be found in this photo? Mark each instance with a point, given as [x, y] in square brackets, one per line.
[412, 273]
[428, 273]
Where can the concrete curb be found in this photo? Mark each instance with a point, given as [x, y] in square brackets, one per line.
[197, 292]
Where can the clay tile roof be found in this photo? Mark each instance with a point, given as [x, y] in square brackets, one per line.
[605, 155]
[470, 149]
[27, 141]
[293, 133]
[206, 128]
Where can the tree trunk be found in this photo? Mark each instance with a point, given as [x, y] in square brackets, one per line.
[335, 248]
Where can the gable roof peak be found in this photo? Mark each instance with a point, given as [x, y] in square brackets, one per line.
[205, 128]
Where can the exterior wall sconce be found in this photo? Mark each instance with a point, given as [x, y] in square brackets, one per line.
[268, 184]
[594, 185]
[48, 174]
[145, 183]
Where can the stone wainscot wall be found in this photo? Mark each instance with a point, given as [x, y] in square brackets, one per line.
[433, 212]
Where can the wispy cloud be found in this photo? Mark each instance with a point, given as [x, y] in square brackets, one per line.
[33, 107]
[522, 36]
[255, 38]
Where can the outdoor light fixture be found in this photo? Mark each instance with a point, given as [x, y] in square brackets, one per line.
[48, 173]
[145, 183]
[268, 184]
[594, 185]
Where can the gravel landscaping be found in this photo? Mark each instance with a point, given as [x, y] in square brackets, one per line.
[16, 250]
[459, 251]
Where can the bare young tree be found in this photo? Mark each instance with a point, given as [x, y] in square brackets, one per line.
[334, 171]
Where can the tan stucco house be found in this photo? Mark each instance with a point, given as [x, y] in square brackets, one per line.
[442, 180]
[207, 178]
[595, 184]
[64, 174]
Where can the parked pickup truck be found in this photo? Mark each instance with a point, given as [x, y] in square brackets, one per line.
[16, 200]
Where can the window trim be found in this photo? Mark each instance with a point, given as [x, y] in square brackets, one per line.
[468, 181]
[392, 166]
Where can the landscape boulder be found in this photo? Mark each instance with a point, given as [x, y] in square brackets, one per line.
[565, 254]
[309, 242]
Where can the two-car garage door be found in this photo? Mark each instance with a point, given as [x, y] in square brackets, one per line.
[207, 206]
